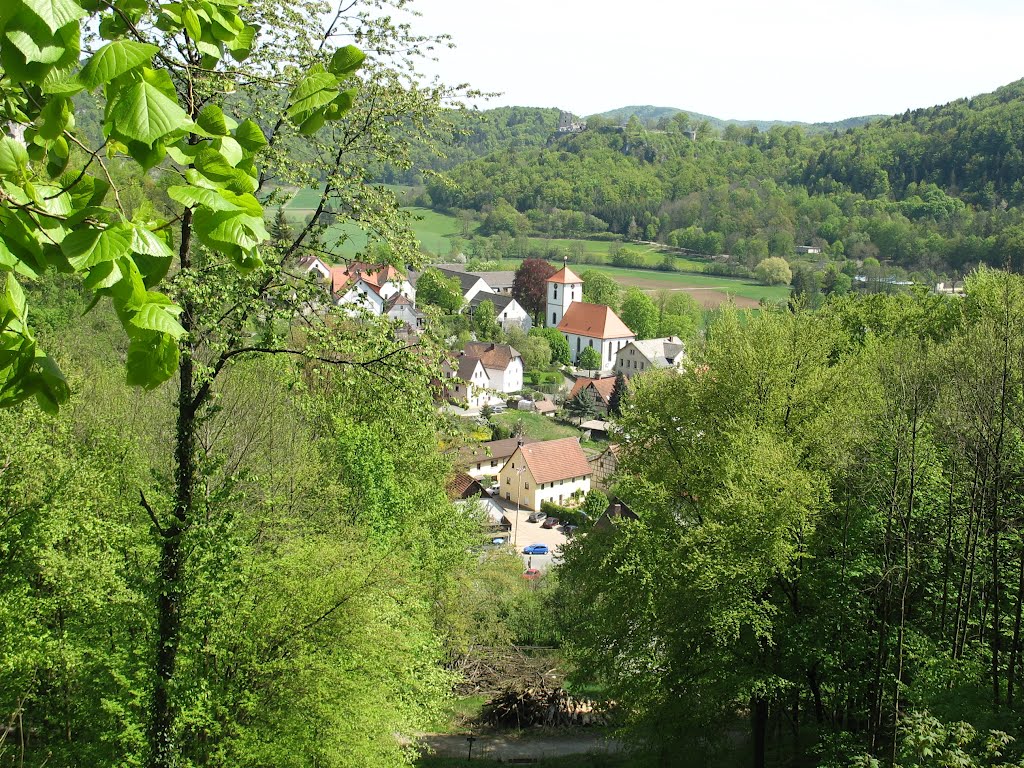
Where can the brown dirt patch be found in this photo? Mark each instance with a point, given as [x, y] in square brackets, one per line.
[709, 298]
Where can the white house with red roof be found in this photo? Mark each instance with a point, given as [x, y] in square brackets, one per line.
[552, 470]
[584, 324]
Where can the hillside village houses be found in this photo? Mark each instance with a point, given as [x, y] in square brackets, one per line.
[507, 311]
[601, 389]
[553, 470]
[375, 288]
[482, 371]
[584, 324]
[639, 356]
[486, 459]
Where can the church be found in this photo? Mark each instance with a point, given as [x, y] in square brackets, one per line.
[584, 324]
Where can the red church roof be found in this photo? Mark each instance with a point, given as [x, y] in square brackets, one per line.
[595, 321]
[565, 275]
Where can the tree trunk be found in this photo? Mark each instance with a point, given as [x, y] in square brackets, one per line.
[170, 587]
[759, 716]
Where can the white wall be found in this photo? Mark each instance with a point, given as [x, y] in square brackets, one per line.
[533, 495]
[608, 348]
[560, 296]
[361, 296]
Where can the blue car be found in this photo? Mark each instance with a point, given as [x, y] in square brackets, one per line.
[535, 549]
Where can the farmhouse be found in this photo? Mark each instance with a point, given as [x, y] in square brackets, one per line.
[639, 356]
[601, 388]
[552, 470]
[486, 459]
[502, 363]
[507, 310]
[584, 324]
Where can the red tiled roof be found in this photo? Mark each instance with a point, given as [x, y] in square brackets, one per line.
[595, 321]
[461, 486]
[565, 275]
[556, 460]
[494, 356]
[602, 387]
[374, 275]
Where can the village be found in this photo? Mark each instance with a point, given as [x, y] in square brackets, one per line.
[535, 466]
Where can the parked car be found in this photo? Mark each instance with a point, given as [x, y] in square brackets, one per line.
[569, 530]
[498, 541]
[550, 523]
[499, 408]
[495, 489]
[536, 517]
[531, 573]
[535, 549]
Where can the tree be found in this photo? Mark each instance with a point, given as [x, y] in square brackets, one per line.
[530, 288]
[485, 322]
[556, 342]
[599, 288]
[582, 406]
[618, 392]
[536, 352]
[679, 314]
[594, 504]
[589, 358]
[773, 271]
[444, 292]
[198, 311]
[280, 229]
[640, 314]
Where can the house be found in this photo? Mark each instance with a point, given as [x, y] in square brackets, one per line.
[360, 296]
[502, 363]
[486, 459]
[401, 308]
[604, 465]
[498, 281]
[359, 286]
[581, 323]
[600, 388]
[812, 249]
[315, 266]
[639, 356]
[552, 470]
[507, 311]
[463, 486]
[545, 407]
[470, 382]
[616, 510]
[471, 284]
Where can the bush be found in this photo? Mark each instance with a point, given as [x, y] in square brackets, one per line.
[774, 271]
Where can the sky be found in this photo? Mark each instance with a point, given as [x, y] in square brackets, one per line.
[806, 60]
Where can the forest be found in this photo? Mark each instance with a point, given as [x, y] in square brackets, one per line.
[931, 193]
[226, 532]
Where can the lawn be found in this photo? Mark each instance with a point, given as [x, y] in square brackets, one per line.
[537, 426]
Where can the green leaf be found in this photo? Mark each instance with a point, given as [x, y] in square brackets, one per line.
[13, 157]
[44, 51]
[14, 299]
[316, 90]
[241, 46]
[113, 60]
[346, 60]
[152, 360]
[211, 119]
[249, 135]
[149, 243]
[144, 113]
[192, 24]
[155, 317]
[86, 248]
[54, 13]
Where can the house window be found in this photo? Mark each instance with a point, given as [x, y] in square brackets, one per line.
[527, 486]
[478, 466]
[508, 481]
[579, 341]
[555, 287]
[590, 343]
[493, 464]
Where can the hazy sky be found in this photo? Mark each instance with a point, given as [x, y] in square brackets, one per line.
[810, 60]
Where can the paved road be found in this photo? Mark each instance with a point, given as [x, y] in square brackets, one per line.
[525, 533]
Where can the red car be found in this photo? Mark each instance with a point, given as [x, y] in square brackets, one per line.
[551, 522]
[531, 573]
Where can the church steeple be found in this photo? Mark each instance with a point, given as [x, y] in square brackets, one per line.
[564, 287]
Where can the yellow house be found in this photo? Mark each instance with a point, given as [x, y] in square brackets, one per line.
[552, 470]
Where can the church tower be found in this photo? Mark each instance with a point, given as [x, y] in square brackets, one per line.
[564, 287]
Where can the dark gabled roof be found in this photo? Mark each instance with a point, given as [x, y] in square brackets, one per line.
[499, 300]
[495, 449]
[467, 364]
[466, 279]
[602, 387]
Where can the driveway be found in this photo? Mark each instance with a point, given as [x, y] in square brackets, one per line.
[524, 533]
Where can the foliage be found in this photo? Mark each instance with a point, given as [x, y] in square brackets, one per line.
[444, 292]
[582, 406]
[773, 271]
[589, 358]
[599, 288]
[529, 286]
[640, 314]
[595, 503]
[485, 322]
[557, 342]
[618, 393]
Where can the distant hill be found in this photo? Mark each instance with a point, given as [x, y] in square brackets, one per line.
[648, 114]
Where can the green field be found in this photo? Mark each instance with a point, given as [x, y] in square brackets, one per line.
[538, 426]
[435, 232]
